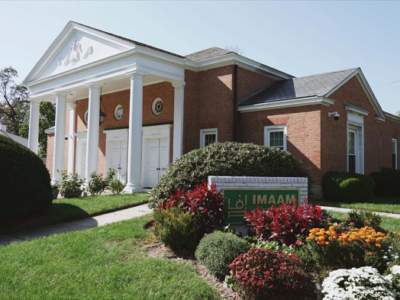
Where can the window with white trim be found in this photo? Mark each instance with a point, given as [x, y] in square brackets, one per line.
[394, 153]
[208, 136]
[275, 136]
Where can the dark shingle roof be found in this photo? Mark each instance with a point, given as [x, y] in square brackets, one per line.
[208, 54]
[314, 85]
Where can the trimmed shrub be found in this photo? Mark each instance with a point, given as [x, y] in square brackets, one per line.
[226, 159]
[347, 187]
[390, 182]
[285, 222]
[25, 182]
[176, 228]
[71, 185]
[116, 186]
[362, 218]
[217, 250]
[267, 274]
[206, 204]
[96, 184]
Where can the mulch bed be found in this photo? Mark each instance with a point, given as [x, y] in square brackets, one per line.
[160, 251]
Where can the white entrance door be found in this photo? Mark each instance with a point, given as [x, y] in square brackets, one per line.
[119, 160]
[81, 168]
[157, 153]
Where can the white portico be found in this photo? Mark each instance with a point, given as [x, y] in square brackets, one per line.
[84, 62]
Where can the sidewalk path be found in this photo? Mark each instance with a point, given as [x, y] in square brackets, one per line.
[97, 221]
[346, 210]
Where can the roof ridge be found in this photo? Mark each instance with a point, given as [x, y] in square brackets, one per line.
[326, 73]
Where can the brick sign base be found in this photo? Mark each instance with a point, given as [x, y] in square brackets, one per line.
[246, 193]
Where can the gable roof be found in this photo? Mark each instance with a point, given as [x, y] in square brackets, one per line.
[207, 54]
[315, 85]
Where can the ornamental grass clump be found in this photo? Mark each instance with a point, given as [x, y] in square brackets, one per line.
[284, 223]
[363, 283]
[217, 250]
[267, 274]
[346, 247]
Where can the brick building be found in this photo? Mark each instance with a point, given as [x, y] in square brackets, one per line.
[136, 108]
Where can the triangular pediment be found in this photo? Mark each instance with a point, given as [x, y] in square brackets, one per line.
[77, 46]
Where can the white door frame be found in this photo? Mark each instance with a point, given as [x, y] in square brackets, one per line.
[154, 132]
[113, 135]
[355, 122]
[81, 138]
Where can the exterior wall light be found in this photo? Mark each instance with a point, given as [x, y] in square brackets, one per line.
[335, 115]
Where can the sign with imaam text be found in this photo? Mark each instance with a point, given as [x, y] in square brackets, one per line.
[239, 200]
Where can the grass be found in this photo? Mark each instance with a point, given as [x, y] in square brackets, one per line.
[100, 263]
[64, 210]
[388, 224]
[387, 205]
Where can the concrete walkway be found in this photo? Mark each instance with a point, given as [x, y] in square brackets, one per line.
[87, 223]
[346, 210]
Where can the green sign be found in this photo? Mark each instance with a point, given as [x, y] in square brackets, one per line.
[239, 200]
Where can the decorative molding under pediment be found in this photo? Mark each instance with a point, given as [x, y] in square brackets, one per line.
[75, 54]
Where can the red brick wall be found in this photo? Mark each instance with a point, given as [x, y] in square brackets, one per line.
[390, 130]
[250, 82]
[303, 132]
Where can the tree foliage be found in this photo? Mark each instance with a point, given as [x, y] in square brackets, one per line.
[13, 101]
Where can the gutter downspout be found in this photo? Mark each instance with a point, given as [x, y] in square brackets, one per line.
[235, 96]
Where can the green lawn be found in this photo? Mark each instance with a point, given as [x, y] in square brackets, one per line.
[389, 224]
[99, 263]
[387, 205]
[63, 210]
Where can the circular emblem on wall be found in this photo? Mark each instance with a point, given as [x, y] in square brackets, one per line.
[118, 112]
[157, 106]
[86, 116]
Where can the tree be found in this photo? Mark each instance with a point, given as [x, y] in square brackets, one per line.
[398, 113]
[46, 120]
[13, 101]
[237, 49]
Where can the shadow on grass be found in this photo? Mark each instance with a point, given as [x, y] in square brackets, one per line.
[57, 213]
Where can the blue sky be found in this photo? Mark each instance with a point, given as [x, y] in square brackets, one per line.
[297, 37]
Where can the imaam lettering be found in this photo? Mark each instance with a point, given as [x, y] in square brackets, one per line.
[262, 200]
[290, 199]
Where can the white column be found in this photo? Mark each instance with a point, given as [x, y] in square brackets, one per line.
[59, 135]
[92, 147]
[178, 119]
[134, 182]
[71, 138]
[33, 139]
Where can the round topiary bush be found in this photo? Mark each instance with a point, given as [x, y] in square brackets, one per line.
[226, 159]
[24, 181]
[217, 250]
[347, 187]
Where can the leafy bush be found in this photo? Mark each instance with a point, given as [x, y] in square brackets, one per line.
[347, 187]
[226, 159]
[217, 250]
[265, 274]
[390, 182]
[116, 186]
[204, 203]
[71, 185]
[285, 222]
[176, 228]
[395, 272]
[96, 184]
[25, 182]
[346, 247]
[362, 283]
[362, 218]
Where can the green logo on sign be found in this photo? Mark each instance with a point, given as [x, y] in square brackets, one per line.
[239, 200]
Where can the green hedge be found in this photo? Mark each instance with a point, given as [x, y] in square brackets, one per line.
[217, 250]
[24, 181]
[226, 159]
[390, 182]
[347, 187]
